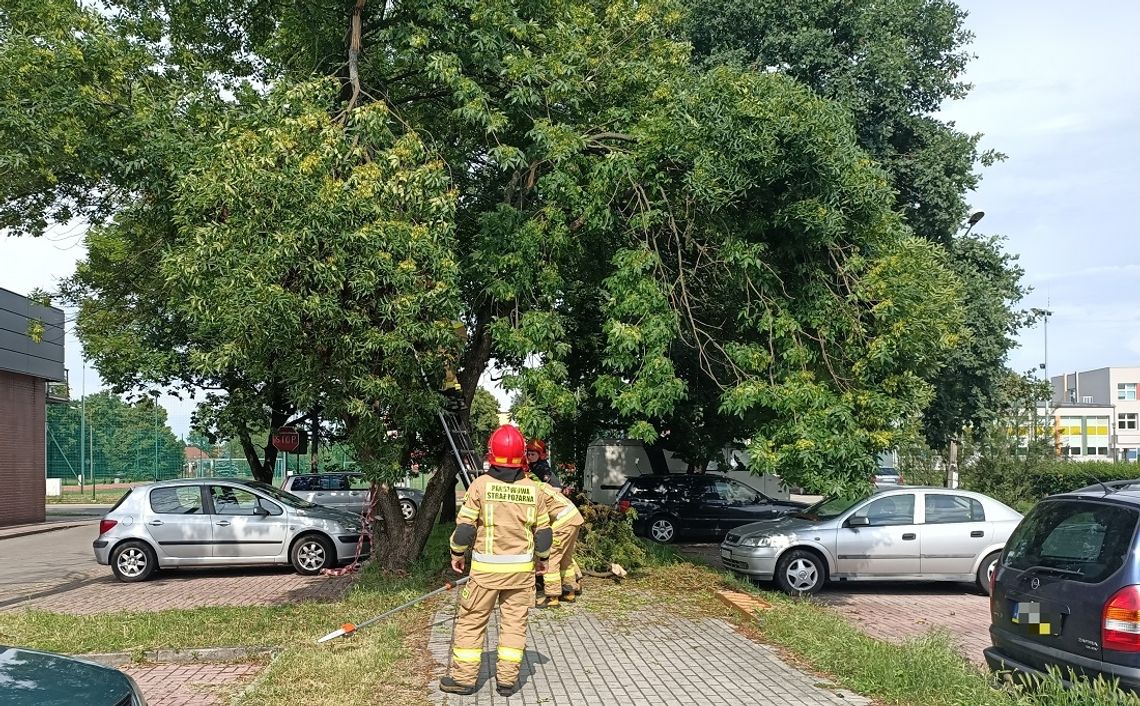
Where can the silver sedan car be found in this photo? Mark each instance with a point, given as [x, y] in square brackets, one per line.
[223, 522]
[347, 491]
[908, 534]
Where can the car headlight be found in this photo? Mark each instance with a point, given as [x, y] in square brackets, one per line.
[755, 541]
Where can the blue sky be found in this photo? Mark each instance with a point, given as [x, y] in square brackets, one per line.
[1055, 90]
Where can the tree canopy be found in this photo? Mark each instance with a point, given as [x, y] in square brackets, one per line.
[294, 204]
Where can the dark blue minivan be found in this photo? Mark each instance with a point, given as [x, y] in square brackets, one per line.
[1066, 592]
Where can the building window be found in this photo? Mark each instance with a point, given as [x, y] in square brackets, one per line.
[1098, 451]
[1073, 451]
[1126, 421]
[1126, 391]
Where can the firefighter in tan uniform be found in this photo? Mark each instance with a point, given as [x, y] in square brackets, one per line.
[560, 581]
[505, 521]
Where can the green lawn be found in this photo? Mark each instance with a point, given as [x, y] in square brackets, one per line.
[72, 496]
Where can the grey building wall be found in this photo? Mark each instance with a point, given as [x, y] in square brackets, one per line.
[21, 355]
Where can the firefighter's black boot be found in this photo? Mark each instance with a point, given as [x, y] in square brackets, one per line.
[504, 690]
[453, 687]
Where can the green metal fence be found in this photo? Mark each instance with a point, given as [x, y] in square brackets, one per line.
[107, 447]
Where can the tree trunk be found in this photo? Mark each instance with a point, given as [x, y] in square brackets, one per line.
[396, 543]
[262, 469]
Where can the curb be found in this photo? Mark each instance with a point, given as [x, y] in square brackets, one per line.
[206, 654]
[743, 602]
[54, 527]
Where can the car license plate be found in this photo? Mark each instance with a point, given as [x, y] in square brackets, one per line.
[1032, 620]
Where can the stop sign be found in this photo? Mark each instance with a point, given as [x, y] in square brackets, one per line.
[286, 439]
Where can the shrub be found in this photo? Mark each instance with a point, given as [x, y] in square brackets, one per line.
[607, 538]
[1020, 483]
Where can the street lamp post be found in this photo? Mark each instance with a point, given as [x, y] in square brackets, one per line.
[155, 436]
[952, 466]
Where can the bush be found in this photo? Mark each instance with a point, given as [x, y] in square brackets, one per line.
[607, 538]
[1020, 483]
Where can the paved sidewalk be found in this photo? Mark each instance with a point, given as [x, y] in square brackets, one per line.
[646, 659]
[194, 684]
[898, 611]
[192, 588]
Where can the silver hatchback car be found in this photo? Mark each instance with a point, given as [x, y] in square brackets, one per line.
[908, 534]
[223, 522]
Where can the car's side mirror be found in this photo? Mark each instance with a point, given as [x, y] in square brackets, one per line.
[859, 521]
[260, 511]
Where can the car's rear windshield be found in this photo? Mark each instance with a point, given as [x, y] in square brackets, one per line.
[827, 508]
[1085, 540]
[888, 471]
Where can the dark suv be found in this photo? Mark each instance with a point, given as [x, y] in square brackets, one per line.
[1066, 592]
[697, 505]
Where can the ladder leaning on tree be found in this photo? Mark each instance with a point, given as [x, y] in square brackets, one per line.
[467, 460]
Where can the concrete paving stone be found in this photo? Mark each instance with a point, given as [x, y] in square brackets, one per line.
[581, 659]
[192, 588]
[199, 684]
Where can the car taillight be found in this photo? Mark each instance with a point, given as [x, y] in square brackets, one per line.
[1121, 627]
[106, 525]
[623, 505]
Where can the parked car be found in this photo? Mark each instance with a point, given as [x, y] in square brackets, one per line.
[222, 522]
[887, 477]
[346, 491]
[33, 678]
[911, 534]
[673, 505]
[1066, 593]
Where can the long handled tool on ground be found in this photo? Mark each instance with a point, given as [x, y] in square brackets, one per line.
[350, 628]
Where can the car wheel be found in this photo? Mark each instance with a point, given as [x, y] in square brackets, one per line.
[800, 573]
[312, 553]
[662, 529]
[986, 570]
[133, 561]
[408, 508]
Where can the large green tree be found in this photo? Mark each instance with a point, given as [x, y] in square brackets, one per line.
[892, 64]
[324, 191]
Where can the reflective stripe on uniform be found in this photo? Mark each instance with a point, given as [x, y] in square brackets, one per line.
[562, 520]
[458, 548]
[529, 526]
[502, 558]
[489, 527]
[569, 574]
[492, 568]
[468, 654]
[510, 654]
[469, 513]
[543, 519]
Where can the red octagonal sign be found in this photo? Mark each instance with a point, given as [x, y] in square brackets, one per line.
[286, 439]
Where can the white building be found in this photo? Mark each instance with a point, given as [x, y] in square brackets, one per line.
[1096, 414]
